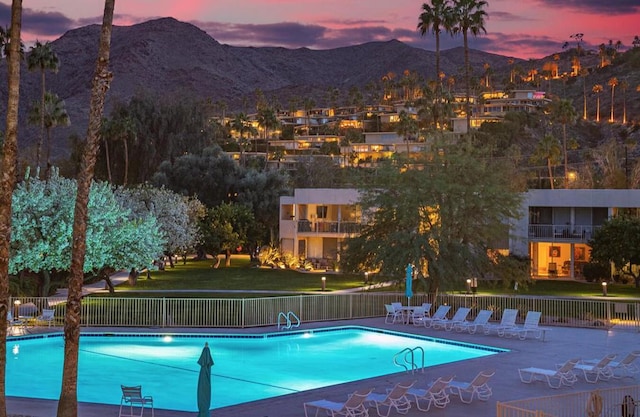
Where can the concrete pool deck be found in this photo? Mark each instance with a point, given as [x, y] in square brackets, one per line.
[561, 344]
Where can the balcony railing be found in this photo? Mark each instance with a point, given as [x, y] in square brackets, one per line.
[567, 233]
[350, 228]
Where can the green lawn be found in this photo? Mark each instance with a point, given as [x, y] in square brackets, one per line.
[243, 280]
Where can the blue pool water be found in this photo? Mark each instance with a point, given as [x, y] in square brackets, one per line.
[247, 367]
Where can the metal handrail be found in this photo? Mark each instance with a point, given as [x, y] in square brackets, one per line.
[288, 320]
[408, 359]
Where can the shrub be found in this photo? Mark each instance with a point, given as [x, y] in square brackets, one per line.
[593, 271]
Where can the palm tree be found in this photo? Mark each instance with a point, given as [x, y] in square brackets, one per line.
[613, 81]
[119, 128]
[435, 18]
[239, 124]
[268, 119]
[42, 58]
[563, 112]
[68, 402]
[8, 179]
[548, 150]
[583, 73]
[624, 85]
[597, 89]
[406, 127]
[53, 113]
[468, 17]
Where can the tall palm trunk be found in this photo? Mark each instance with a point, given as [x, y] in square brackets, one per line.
[467, 77]
[566, 160]
[107, 159]
[8, 183]
[126, 162]
[42, 104]
[550, 172]
[68, 403]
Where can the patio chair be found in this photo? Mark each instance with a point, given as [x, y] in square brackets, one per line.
[132, 397]
[531, 325]
[481, 320]
[447, 324]
[427, 309]
[395, 398]
[47, 317]
[393, 315]
[353, 407]
[417, 315]
[477, 388]
[508, 321]
[564, 375]
[628, 365]
[440, 314]
[599, 371]
[435, 394]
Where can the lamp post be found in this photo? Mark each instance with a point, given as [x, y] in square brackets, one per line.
[604, 289]
[324, 283]
[16, 308]
[468, 286]
[366, 277]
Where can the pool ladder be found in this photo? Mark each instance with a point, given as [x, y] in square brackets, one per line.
[406, 358]
[290, 320]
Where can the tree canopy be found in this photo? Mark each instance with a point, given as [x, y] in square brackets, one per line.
[618, 242]
[42, 222]
[444, 213]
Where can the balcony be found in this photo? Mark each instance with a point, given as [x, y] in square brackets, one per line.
[325, 227]
[561, 233]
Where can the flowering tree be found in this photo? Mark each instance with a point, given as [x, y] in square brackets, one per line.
[177, 219]
[42, 224]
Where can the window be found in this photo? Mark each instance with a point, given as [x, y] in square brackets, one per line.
[321, 212]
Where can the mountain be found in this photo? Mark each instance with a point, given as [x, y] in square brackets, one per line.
[169, 57]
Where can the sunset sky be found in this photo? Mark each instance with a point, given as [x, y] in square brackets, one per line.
[523, 29]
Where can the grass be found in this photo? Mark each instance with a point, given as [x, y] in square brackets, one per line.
[239, 280]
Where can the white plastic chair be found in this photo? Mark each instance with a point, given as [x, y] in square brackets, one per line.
[47, 316]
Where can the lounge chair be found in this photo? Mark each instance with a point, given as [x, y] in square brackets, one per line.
[395, 398]
[427, 309]
[440, 314]
[447, 324]
[15, 324]
[599, 371]
[627, 366]
[47, 317]
[393, 315]
[508, 321]
[132, 397]
[531, 325]
[481, 320]
[562, 376]
[353, 407]
[435, 394]
[477, 388]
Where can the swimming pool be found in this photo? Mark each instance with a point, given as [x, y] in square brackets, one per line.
[248, 367]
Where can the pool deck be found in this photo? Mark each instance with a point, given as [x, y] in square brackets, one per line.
[561, 344]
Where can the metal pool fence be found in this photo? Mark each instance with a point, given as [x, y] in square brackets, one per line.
[254, 312]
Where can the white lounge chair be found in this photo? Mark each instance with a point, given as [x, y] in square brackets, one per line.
[555, 378]
[459, 317]
[628, 365]
[393, 315]
[435, 394]
[396, 398]
[353, 407]
[47, 316]
[599, 371]
[132, 397]
[427, 309]
[531, 325]
[477, 388]
[14, 324]
[440, 314]
[481, 320]
[417, 315]
[508, 321]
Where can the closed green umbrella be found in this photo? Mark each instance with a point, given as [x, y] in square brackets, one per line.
[204, 382]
